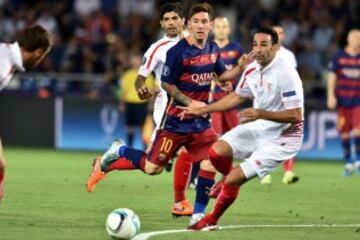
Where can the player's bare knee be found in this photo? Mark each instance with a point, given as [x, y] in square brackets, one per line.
[221, 148]
[152, 169]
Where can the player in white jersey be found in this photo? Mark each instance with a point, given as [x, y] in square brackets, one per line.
[172, 21]
[270, 132]
[283, 52]
[289, 57]
[26, 53]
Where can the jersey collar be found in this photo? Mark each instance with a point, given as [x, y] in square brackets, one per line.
[177, 38]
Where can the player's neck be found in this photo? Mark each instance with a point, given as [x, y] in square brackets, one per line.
[198, 43]
[265, 64]
[352, 51]
[173, 36]
[222, 42]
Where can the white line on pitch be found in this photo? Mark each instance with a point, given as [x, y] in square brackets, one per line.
[145, 236]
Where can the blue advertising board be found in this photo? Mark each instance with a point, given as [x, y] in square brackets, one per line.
[321, 140]
[90, 124]
[93, 124]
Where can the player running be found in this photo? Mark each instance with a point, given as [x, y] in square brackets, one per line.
[270, 132]
[30, 48]
[172, 22]
[186, 77]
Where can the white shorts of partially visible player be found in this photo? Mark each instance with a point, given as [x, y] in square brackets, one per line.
[262, 152]
[159, 110]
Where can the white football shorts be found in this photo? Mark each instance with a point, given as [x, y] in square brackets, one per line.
[261, 153]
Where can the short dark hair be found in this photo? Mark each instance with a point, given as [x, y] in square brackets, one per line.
[268, 30]
[171, 7]
[201, 7]
[35, 37]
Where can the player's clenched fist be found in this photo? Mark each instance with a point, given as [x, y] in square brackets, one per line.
[143, 92]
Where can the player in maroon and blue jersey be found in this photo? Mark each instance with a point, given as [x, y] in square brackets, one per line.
[344, 95]
[186, 77]
[230, 53]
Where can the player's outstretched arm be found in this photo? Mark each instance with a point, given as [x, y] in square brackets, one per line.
[235, 72]
[229, 101]
[141, 89]
[174, 92]
[287, 116]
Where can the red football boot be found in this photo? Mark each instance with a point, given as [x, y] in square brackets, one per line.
[205, 224]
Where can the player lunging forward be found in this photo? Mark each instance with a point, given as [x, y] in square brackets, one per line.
[270, 132]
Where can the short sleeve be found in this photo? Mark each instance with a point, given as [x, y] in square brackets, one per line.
[243, 89]
[173, 65]
[291, 90]
[149, 62]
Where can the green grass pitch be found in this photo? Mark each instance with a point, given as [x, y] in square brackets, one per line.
[45, 198]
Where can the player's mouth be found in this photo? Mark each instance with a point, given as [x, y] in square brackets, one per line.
[172, 29]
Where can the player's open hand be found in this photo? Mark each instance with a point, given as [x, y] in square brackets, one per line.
[246, 59]
[226, 86]
[143, 92]
[195, 108]
[249, 115]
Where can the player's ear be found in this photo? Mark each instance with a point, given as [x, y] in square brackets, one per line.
[39, 52]
[161, 24]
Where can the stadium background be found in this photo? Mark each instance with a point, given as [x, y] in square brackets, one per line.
[70, 100]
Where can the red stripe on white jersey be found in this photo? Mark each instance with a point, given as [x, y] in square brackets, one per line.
[245, 74]
[153, 53]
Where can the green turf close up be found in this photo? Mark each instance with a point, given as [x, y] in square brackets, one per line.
[45, 198]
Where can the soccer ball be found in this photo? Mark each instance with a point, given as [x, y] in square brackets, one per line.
[122, 223]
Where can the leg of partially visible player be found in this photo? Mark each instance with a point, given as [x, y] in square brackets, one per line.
[344, 126]
[289, 175]
[356, 135]
[181, 176]
[121, 157]
[357, 150]
[2, 171]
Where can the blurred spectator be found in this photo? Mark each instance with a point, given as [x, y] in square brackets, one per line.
[131, 105]
[84, 29]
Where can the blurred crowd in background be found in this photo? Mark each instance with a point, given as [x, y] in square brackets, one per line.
[99, 37]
